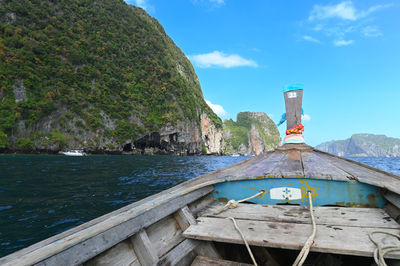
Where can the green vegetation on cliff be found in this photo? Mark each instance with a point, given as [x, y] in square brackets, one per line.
[252, 132]
[85, 62]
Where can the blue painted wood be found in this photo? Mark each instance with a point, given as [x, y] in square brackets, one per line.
[294, 191]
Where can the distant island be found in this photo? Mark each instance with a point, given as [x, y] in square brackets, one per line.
[103, 76]
[363, 145]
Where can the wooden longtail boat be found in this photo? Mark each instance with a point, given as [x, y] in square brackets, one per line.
[179, 226]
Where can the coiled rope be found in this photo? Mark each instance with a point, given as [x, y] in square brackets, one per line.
[306, 248]
[380, 251]
[233, 203]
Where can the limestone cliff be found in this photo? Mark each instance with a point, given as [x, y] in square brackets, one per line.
[252, 133]
[363, 145]
[211, 136]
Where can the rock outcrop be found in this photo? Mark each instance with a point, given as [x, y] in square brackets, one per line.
[363, 145]
[211, 136]
[253, 133]
[188, 138]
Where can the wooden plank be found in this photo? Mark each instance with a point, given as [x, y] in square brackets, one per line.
[179, 252]
[364, 174]
[187, 260]
[393, 211]
[244, 169]
[205, 261]
[144, 249]
[121, 254]
[294, 146]
[289, 165]
[72, 249]
[200, 204]
[393, 198]
[207, 248]
[331, 239]
[165, 234]
[360, 217]
[230, 172]
[316, 166]
[184, 218]
[263, 167]
[259, 167]
[353, 162]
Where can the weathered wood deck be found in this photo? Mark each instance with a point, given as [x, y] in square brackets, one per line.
[339, 230]
[204, 261]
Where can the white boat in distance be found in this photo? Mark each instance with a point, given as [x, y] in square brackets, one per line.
[74, 153]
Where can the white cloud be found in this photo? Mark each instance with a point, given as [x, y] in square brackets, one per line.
[343, 42]
[218, 109]
[342, 22]
[220, 59]
[306, 117]
[140, 3]
[212, 3]
[218, 2]
[318, 27]
[310, 39]
[344, 10]
[371, 31]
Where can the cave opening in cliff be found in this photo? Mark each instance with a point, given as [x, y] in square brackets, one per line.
[173, 137]
[128, 147]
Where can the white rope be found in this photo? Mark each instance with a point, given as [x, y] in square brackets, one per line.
[306, 248]
[380, 251]
[233, 203]
[244, 239]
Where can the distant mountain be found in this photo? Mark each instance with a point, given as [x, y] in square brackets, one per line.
[363, 145]
[252, 133]
[99, 75]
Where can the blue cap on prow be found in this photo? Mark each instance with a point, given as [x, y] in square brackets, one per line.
[293, 87]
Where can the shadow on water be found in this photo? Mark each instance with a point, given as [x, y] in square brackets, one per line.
[42, 195]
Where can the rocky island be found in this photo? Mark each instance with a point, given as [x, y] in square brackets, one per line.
[252, 133]
[363, 145]
[103, 76]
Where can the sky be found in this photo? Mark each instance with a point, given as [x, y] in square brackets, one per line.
[345, 53]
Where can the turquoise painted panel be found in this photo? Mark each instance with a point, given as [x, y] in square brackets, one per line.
[295, 190]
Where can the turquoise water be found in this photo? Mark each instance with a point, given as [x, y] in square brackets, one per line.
[42, 195]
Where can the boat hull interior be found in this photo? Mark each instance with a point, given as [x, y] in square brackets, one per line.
[184, 225]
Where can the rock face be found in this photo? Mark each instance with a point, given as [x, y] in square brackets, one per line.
[252, 133]
[185, 139]
[211, 136]
[74, 75]
[363, 145]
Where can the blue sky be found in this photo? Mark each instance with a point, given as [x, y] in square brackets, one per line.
[346, 53]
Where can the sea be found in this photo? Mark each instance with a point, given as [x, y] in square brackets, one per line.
[43, 195]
